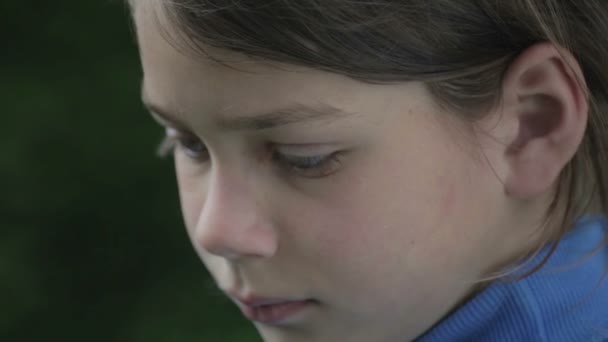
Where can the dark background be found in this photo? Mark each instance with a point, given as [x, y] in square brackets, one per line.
[92, 246]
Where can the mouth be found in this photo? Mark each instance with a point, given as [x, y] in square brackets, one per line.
[274, 311]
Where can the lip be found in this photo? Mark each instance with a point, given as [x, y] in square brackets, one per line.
[273, 311]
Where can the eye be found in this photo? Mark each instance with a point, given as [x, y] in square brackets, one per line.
[316, 166]
[189, 143]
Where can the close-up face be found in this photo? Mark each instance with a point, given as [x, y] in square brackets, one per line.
[360, 209]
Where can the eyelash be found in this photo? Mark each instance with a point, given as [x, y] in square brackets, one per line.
[174, 140]
[317, 166]
[309, 166]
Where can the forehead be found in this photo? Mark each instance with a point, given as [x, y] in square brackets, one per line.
[185, 82]
[173, 75]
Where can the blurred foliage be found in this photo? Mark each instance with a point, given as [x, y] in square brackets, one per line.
[92, 246]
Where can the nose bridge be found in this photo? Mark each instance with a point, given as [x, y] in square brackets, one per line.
[233, 223]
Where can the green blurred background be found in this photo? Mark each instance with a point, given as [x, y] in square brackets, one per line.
[92, 246]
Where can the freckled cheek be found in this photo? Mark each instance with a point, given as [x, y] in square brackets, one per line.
[340, 237]
[345, 234]
[391, 220]
[350, 226]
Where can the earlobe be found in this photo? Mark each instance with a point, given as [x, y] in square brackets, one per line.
[548, 100]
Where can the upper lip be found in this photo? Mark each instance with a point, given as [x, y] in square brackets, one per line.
[253, 300]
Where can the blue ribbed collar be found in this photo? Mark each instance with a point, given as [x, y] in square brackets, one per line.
[566, 300]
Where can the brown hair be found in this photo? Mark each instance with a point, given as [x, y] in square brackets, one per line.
[459, 49]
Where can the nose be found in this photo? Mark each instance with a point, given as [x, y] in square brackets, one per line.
[233, 223]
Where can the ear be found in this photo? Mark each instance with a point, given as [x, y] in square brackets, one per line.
[545, 92]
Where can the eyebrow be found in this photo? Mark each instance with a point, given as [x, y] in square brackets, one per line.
[291, 114]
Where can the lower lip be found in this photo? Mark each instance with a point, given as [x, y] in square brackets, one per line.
[276, 313]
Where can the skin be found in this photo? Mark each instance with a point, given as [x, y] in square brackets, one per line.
[388, 238]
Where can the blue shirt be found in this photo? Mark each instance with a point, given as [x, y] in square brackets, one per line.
[566, 300]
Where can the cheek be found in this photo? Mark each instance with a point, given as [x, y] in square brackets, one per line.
[192, 191]
[410, 220]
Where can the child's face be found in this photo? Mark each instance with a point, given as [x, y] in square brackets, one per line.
[386, 238]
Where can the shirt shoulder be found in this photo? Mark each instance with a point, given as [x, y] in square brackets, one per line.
[569, 295]
[566, 300]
